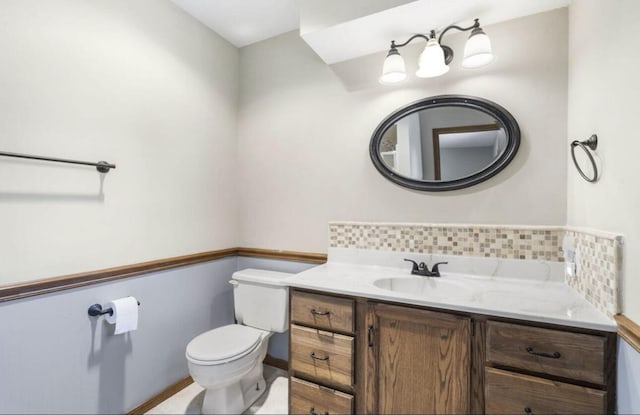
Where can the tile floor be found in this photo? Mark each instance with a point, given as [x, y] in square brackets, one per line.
[273, 401]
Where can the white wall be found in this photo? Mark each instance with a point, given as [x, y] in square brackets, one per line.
[603, 99]
[603, 86]
[303, 139]
[137, 83]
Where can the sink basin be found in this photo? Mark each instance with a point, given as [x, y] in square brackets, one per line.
[436, 288]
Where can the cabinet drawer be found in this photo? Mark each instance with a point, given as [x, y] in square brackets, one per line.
[553, 352]
[309, 398]
[324, 355]
[514, 393]
[322, 311]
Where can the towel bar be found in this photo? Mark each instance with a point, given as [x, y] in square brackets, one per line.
[587, 145]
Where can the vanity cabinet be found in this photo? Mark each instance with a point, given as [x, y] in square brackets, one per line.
[357, 355]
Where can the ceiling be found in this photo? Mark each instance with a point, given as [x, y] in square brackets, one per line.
[373, 33]
[243, 22]
[369, 25]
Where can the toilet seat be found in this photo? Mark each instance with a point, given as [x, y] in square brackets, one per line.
[224, 344]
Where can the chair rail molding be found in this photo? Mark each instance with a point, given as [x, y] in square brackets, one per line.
[66, 282]
[629, 331]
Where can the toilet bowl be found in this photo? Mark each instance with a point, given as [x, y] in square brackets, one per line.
[227, 361]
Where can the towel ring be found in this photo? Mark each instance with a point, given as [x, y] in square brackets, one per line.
[591, 143]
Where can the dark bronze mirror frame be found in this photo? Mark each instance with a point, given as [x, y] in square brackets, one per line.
[501, 115]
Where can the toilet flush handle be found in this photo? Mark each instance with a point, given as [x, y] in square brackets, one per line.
[233, 282]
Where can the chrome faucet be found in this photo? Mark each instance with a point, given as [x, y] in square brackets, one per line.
[423, 269]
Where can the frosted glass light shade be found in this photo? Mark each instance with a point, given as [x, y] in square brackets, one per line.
[431, 62]
[393, 69]
[477, 51]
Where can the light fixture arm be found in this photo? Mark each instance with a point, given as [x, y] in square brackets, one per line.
[475, 25]
[448, 52]
[421, 36]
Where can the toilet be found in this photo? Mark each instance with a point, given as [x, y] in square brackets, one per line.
[227, 361]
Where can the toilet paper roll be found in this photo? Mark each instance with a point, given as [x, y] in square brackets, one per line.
[125, 314]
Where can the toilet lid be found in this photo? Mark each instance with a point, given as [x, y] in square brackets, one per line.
[224, 343]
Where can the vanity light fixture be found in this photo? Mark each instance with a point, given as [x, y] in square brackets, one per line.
[434, 60]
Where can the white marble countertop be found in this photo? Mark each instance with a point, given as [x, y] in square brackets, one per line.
[545, 301]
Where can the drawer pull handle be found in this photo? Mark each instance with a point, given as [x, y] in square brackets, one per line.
[528, 411]
[319, 313]
[316, 357]
[370, 336]
[554, 355]
[312, 411]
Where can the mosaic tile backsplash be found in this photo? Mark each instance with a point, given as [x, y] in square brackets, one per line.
[472, 240]
[598, 269]
[598, 255]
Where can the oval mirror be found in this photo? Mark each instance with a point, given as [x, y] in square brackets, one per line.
[445, 142]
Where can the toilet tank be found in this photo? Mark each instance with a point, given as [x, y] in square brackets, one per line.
[261, 299]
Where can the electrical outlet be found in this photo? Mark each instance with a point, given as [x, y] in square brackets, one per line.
[570, 269]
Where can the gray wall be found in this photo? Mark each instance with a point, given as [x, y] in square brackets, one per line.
[54, 358]
[628, 379]
[57, 359]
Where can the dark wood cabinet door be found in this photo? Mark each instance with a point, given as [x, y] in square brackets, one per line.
[418, 361]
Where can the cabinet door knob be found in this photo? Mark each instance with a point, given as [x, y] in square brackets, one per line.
[528, 410]
[370, 336]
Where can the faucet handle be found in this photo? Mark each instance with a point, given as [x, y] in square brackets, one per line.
[415, 264]
[435, 268]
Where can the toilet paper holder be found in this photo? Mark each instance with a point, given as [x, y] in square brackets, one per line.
[96, 310]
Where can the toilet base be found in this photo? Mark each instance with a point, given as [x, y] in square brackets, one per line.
[236, 397]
